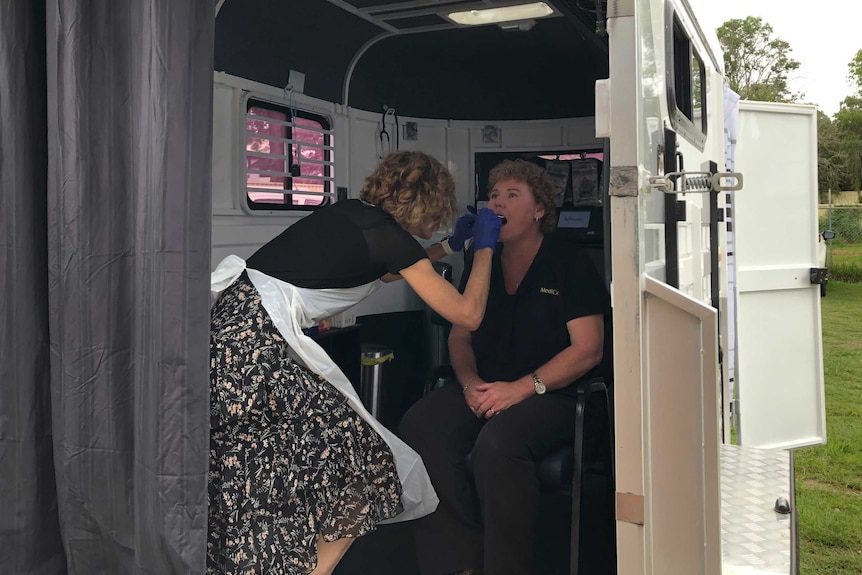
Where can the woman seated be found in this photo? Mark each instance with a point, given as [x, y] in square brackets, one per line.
[513, 402]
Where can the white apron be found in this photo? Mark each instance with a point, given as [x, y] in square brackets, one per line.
[291, 309]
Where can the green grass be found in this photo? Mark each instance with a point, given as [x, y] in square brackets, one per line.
[846, 263]
[829, 477]
[847, 254]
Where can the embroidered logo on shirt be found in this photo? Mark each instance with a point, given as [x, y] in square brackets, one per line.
[550, 291]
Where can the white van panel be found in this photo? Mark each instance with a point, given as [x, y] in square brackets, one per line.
[779, 370]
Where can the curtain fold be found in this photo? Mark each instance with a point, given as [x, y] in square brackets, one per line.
[29, 531]
[107, 210]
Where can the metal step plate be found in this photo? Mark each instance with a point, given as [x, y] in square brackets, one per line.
[756, 540]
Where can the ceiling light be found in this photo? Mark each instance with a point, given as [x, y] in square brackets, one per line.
[504, 14]
[518, 25]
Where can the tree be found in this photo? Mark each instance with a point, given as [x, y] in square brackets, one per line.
[839, 139]
[831, 160]
[848, 121]
[756, 63]
[855, 68]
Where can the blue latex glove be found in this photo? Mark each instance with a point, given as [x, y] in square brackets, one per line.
[486, 228]
[463, 230]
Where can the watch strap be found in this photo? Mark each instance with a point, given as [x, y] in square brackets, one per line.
[446, 247]
[538, 384]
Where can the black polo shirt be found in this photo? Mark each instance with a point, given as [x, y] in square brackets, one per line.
[523, 331]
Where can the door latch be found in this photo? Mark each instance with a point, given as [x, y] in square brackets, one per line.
[696, 182]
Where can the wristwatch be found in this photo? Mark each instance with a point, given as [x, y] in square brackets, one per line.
[538, 384]
[446, 247]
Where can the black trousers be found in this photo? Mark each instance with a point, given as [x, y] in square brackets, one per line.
[485, 521]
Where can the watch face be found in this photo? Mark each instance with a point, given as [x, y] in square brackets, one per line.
[538, 384]
[540, 387]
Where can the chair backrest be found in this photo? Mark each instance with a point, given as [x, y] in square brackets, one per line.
[584, 227]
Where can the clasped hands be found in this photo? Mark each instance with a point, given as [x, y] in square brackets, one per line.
[486, 400]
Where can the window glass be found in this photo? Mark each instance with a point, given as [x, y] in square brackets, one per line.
[311, 155]
[287, 151]
[265, 159]
[686, 83]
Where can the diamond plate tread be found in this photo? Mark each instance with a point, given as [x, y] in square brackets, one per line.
[755, 539]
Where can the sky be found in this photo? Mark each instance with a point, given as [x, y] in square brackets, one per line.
[824, 41]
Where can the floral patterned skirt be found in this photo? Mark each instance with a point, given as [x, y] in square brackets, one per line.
[289, 458]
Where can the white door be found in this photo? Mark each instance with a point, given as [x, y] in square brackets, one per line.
[779, 370]
[666, 380]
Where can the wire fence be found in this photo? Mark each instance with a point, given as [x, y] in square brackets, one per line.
[845, 221]
[844, 249]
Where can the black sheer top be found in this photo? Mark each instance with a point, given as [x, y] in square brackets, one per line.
[346, 244]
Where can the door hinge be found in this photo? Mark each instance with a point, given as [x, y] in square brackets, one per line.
[818, 276]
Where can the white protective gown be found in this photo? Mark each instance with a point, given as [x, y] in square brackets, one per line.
[291, 309]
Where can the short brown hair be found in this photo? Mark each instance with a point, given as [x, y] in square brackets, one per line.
[543, 188]
[413, 187]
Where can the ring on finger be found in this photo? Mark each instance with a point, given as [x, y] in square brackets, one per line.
[491, 411]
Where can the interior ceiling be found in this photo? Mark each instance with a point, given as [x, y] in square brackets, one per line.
[424, 65]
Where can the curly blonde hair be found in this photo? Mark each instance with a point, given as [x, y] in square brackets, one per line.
[414, 188]
[543, 188]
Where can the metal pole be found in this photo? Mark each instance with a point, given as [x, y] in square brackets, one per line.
[829, 215]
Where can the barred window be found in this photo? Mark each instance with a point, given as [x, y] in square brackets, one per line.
[288, 158]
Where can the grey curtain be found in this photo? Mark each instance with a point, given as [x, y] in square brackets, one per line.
[105, 167]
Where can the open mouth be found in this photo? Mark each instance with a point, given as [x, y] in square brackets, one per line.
[503, 219]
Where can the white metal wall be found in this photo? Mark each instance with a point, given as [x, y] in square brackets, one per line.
[657, 393]
[357, 149]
